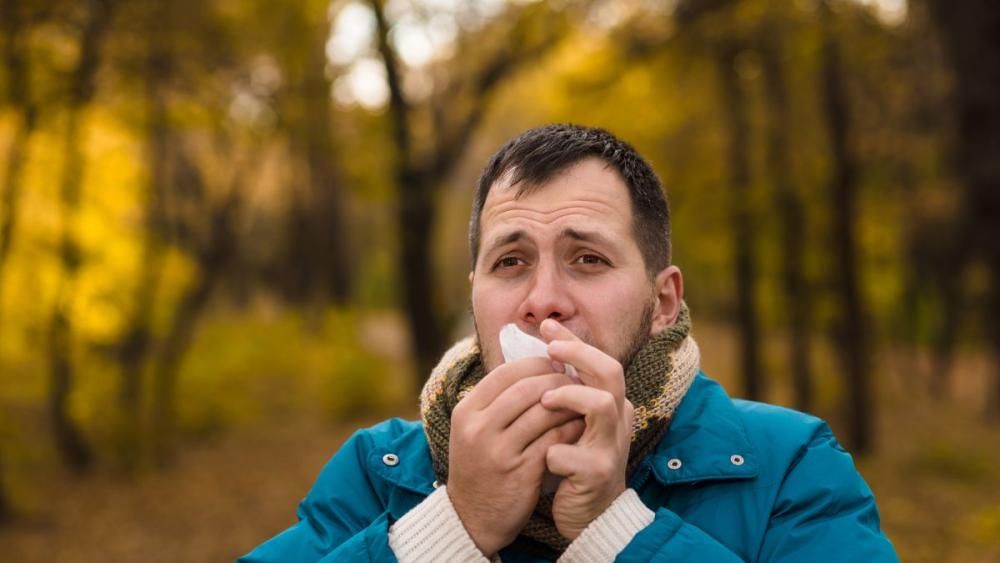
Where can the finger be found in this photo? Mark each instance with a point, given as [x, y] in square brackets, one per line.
[602, 412]
[570, 460]
[519, 397]
[565, 459]
[501, 378]
[551, 329]
[594, 367]
[566, 433]
[534, 422]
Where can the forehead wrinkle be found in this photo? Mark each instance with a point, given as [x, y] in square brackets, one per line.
[551, 215]
[506, 217]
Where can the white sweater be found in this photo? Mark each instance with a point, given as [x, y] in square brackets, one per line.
[433, 532]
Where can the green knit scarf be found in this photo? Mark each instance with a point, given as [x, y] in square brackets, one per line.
[655, 382]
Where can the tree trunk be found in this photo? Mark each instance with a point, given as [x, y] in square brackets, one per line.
[319, 260]
[175, 345]
[214, 257]
[791, 215]
[992, 410]
[733, 97]
[16, 156]
[415, 218]
[952, 305]
[456, 113]
[6, 508]
[329, 216]
[852, 335]
[970, 30]
[69, 440]
[20, 98]
[136, 343]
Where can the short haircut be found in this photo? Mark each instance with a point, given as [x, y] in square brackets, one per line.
[538, 155]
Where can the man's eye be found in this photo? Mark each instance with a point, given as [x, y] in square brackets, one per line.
[507, 262]
[590, 259]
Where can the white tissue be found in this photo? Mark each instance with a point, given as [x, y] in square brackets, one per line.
[516, 344]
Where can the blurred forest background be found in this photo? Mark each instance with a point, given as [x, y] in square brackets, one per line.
[232, 231]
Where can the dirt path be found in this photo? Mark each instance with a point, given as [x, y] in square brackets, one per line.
[218, 501]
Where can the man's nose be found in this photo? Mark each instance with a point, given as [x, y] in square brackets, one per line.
[547, 298]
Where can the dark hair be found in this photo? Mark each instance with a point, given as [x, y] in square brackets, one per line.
[537, 155]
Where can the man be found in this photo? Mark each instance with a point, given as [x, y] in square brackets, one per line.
[641, 458]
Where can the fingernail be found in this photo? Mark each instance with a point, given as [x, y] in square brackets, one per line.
[572, 374]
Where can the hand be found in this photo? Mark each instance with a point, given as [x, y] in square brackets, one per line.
[499, 435]
[593, 467]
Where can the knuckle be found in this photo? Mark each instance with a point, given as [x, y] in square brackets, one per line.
[606, 404]
[618, 376]
[521, 391]
[530, 389]
[617, 370]
[492, 457]
[603, 470]
[499, 460]
[468, 432]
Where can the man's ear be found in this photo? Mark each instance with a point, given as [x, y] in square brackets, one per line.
[471, 276]
[668, 289]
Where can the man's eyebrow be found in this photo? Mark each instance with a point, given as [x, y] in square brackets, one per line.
[586, 236]
[508, 238]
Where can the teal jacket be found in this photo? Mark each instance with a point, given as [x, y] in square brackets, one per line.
[732, 480]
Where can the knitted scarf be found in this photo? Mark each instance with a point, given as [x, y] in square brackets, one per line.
[655, 382]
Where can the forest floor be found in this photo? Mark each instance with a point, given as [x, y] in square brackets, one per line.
[936, 477]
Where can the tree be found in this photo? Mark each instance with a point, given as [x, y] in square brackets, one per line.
[851, 334]
[737, 132]
[970, 30]
[319, 260]
[212, 241]
[17, 21]
[71, 444]
[19, 97]
[791, 212]
[455, 110]
[137, 340]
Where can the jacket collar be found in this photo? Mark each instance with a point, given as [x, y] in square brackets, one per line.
[706, 440]
[411, 467]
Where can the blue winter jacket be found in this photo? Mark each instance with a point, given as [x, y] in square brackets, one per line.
[732, 480]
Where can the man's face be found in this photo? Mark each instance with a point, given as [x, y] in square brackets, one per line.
[566, 252]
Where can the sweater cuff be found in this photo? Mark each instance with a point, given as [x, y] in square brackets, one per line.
[432, 531]
[610, 532]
